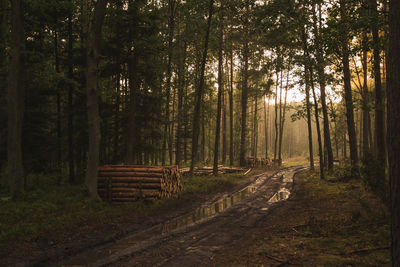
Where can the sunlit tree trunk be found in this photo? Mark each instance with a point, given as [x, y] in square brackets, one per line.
[276, 116]
[15, 100]
[266, 126]
[282, 118]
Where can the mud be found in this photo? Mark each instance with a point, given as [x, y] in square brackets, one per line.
[197, 237]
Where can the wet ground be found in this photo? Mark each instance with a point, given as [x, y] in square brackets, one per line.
[197, 237]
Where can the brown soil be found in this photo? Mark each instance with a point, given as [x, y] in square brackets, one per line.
[321, 224]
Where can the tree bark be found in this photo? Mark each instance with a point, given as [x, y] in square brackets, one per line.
[243, 134]
[231, 108]
[308, 109]
[380, 138]
[322, 84]
[15, 100]
[394, 126]
[181, 85]
[199, 92]
[365, 102]
[347, 88]
[255, 127]
[220, 90]
[92, 60]
[266, 126]
[70, 112]
[276, 116]
[282, 119]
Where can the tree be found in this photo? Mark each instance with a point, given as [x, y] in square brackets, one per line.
[344, 29]
[199, 92]
[394, 126]
[220, 90]
[379, 105]
[92, 58]
[322, 84]
[245, 70]
[15, 100]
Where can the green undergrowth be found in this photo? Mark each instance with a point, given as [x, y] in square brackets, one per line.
[51, 209]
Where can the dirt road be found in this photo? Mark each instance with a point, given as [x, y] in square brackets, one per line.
[195, 238]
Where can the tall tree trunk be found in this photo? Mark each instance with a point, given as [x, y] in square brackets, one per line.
[255, 127]
[365, 103]
[347, 88]
[309, 122]
[231, 107]
[276, 116]
[380, 139]
[394, 126]
[15, 100]
[199, 92]
[243, 133]
[322, 84]
[220, 90]
[266, 116]
[181, 85]
[167, 125]
[309, 74]
[282, 120]
[224, 135]
[320, 152]
[92, 60]
[70, 112]
[57, 69]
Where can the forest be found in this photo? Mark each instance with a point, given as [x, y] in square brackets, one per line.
[195, 83]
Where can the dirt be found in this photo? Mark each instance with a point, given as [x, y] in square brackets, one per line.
[59, 245]
[321, 224]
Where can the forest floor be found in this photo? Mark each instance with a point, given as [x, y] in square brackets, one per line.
[331, 222]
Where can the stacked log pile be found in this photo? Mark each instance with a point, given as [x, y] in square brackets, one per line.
[124, 183]
[209, 170]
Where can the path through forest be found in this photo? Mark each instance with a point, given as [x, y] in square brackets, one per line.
[197, 237]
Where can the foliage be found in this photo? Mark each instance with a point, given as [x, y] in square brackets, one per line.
[374, 176]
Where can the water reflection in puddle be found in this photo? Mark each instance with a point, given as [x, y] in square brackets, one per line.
[209, 211]
[282, 194]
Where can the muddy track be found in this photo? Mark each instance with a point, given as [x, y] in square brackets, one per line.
[195, 238]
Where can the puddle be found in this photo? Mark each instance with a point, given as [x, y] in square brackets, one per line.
[188, 220]
[282, 194]
[209, 211]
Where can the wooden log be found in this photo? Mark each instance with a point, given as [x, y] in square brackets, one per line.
[132, 185]
[130, 179]
[136, 194]
[131, 190]
[129, 174]
[129, 199]
[130, 169]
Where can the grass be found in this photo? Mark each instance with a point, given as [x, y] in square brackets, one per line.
[63, 209]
